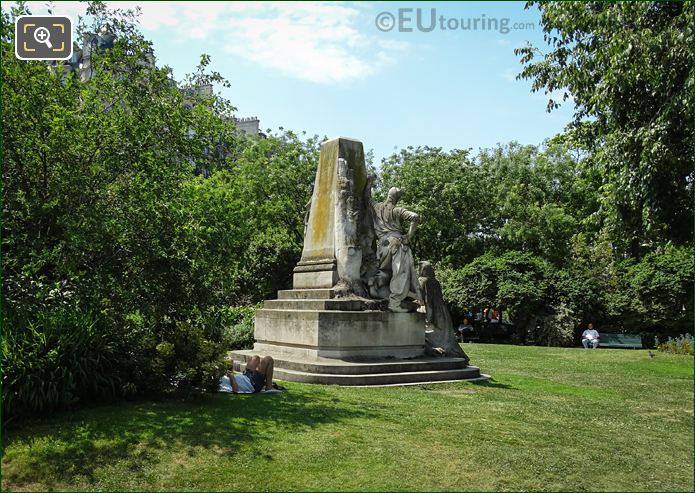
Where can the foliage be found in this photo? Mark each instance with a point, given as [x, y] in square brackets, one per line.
[444, 188]
[682, 344]
[61, 357]
[656, 291]
[628, 68]
[510, 198]
[238, 327]
[539, 197]
[103, 209]
[267, 189]
[557, 328]
[516, 283]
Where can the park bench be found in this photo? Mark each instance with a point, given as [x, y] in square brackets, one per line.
[631, 341]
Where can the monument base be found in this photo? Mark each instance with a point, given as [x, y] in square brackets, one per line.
[315, 338]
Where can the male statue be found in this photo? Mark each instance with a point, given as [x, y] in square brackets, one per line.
[394, 257]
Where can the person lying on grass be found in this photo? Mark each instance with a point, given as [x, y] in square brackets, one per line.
[258, 374]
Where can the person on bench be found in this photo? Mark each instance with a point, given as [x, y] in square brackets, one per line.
[590, 336]
[258, 374]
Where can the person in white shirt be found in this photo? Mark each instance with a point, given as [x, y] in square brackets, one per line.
[590, 336]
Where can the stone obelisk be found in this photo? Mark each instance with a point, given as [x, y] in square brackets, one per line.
[332, 249]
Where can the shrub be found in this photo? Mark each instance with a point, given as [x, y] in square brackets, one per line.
[682, 344]
[238, 326]
[63, 357]
[556, 328]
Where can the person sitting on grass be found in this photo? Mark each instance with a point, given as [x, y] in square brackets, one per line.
[590, 336]
[257, 375]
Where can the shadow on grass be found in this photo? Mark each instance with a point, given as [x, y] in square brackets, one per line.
[494, 384]
[71, 447]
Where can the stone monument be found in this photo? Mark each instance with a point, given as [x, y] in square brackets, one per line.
[351, 317]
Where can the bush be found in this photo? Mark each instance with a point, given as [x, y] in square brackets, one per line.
[556, 328]
[63, 357]
[682, 344]
[101, 207]
[238, 327]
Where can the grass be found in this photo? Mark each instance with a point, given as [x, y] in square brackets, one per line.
[551, 419]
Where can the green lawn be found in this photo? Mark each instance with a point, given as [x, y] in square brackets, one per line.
[551, 419]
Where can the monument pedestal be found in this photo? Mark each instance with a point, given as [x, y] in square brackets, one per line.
[315, 338]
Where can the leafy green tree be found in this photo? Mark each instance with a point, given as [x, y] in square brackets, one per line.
[540, 198]
[250, 226]
[98, 235]
[654, 294]
[517, 283]
[447, 190]
[512, 197]
[628, 68]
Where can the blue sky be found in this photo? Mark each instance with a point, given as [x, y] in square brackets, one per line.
[328, 69]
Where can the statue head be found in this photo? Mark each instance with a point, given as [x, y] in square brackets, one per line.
[426, 270]
[394, 194]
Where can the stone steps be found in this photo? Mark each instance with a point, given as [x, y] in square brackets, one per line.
[313, 304]
[328, 365]
[365, 373]
[306, 294]
[377, 378]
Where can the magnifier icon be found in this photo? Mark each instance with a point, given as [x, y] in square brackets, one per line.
[43, 35]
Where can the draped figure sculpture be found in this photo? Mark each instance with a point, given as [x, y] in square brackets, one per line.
[439, 338]
[396, 278]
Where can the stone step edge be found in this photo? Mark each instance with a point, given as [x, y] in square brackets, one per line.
[374, 376]
[375, 379]
[484, 377]
[278, 366]
[320, 311]
[385, 363]
[366, 368]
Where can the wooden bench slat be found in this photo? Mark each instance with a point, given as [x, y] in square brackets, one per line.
[620, 340]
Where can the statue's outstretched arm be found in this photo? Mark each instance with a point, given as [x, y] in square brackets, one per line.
[414, 220]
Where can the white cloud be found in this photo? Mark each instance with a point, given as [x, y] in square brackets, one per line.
[320, 42]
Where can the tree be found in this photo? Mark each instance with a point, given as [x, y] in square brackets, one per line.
[447, 190]
[628, 68]
[98, 258]
[512, 197]
[539, 196]
[251, 231]
[516, 283]
[654, 294]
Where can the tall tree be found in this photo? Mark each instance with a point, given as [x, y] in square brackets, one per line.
[628, 68]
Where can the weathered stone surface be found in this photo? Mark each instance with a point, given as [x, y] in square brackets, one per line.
[340, 333]
[313, 280]
[332, 239]
[373, 372]
[440, 339]
[306, 294]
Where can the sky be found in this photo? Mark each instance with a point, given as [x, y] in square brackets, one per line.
[363, 70]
